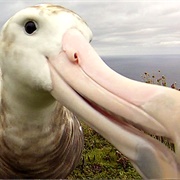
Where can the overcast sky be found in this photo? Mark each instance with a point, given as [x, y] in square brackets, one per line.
[120, 27]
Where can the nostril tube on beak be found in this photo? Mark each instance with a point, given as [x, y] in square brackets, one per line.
[75, 57]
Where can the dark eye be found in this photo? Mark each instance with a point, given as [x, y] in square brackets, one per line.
[30, 27]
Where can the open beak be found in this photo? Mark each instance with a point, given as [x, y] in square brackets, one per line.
[118, 108]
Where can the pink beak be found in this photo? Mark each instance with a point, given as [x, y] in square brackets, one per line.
[118, 108]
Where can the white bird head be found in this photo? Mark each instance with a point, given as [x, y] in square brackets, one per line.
[33, 35]
[45, 50]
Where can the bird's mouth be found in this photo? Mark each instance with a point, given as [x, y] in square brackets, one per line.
[116, 107]
[105, 112]
[117, 119]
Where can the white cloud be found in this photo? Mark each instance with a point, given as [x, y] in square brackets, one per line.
[121, 27]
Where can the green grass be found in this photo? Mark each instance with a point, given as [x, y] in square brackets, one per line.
[100, 160]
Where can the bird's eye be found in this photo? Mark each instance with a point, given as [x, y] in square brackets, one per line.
[30, 27]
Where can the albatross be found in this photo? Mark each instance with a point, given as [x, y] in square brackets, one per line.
[50, 75]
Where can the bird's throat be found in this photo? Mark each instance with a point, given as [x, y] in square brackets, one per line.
[34, 138]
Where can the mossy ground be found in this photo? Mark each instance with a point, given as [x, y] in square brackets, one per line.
[100, 160]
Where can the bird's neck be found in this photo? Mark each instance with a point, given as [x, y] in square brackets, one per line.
[25, 114]
[36, 132]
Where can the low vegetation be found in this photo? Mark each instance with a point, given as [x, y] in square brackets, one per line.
[157, 78]
[100, 160]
